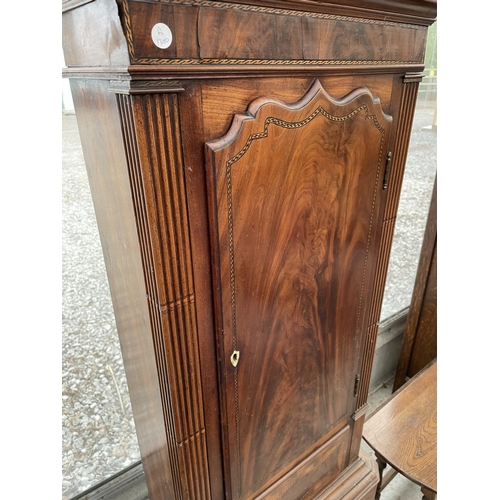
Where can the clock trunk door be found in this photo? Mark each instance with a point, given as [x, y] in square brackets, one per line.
[295, 202]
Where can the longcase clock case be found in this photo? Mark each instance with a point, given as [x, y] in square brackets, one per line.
[246, 181]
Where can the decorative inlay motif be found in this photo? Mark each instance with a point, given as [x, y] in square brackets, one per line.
[282, 12]
[266, 62]
[127, 25]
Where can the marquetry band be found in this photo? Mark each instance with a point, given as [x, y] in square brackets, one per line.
[127, 25]
[282, 12]
[267, 62]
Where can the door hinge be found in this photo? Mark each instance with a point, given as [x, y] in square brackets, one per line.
[356, 385]
[388, 162]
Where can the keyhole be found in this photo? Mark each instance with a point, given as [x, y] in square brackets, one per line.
[235, 358]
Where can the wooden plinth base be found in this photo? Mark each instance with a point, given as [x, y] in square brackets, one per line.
[358, 482]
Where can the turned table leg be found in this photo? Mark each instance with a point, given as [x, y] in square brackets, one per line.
[381, 466]
[428, 494]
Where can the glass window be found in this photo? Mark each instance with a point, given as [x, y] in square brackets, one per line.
[99, 437]
[416, 191]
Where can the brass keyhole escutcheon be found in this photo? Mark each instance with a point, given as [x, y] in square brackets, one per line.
[235, 357]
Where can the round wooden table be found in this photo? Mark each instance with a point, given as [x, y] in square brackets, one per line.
[403, 432]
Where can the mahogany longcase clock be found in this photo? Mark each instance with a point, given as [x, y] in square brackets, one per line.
[245, 161]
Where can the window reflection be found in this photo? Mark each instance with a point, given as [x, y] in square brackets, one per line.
[416, 191]
[99, 437]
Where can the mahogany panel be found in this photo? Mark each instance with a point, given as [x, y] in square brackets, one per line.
[183, 22]
[319, 468]
[223, 98]
[224, 32]
[358, 481]
[293, 226]
[422, 12]
[242, 43]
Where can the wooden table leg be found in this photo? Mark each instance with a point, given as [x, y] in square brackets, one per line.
[381, 466]
[428, 494]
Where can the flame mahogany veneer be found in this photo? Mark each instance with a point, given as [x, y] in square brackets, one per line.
[246, 181]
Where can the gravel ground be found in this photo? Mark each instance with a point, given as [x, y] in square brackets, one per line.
[413, 208]
[98, 430]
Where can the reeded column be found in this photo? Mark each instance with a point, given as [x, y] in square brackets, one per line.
[395, 179]
[151, 133]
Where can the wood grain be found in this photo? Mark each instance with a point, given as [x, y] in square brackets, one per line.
[425, 345]
[313, 474]
[164, 225]
[293, 228]
[221, 99]
[222, 31]
[404, 430]
[281, 256]
[191, 121]
[402, 141]
[422, 12]
[404, 118]
[357, 482]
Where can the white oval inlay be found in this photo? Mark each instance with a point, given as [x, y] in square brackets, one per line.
[161, 35]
